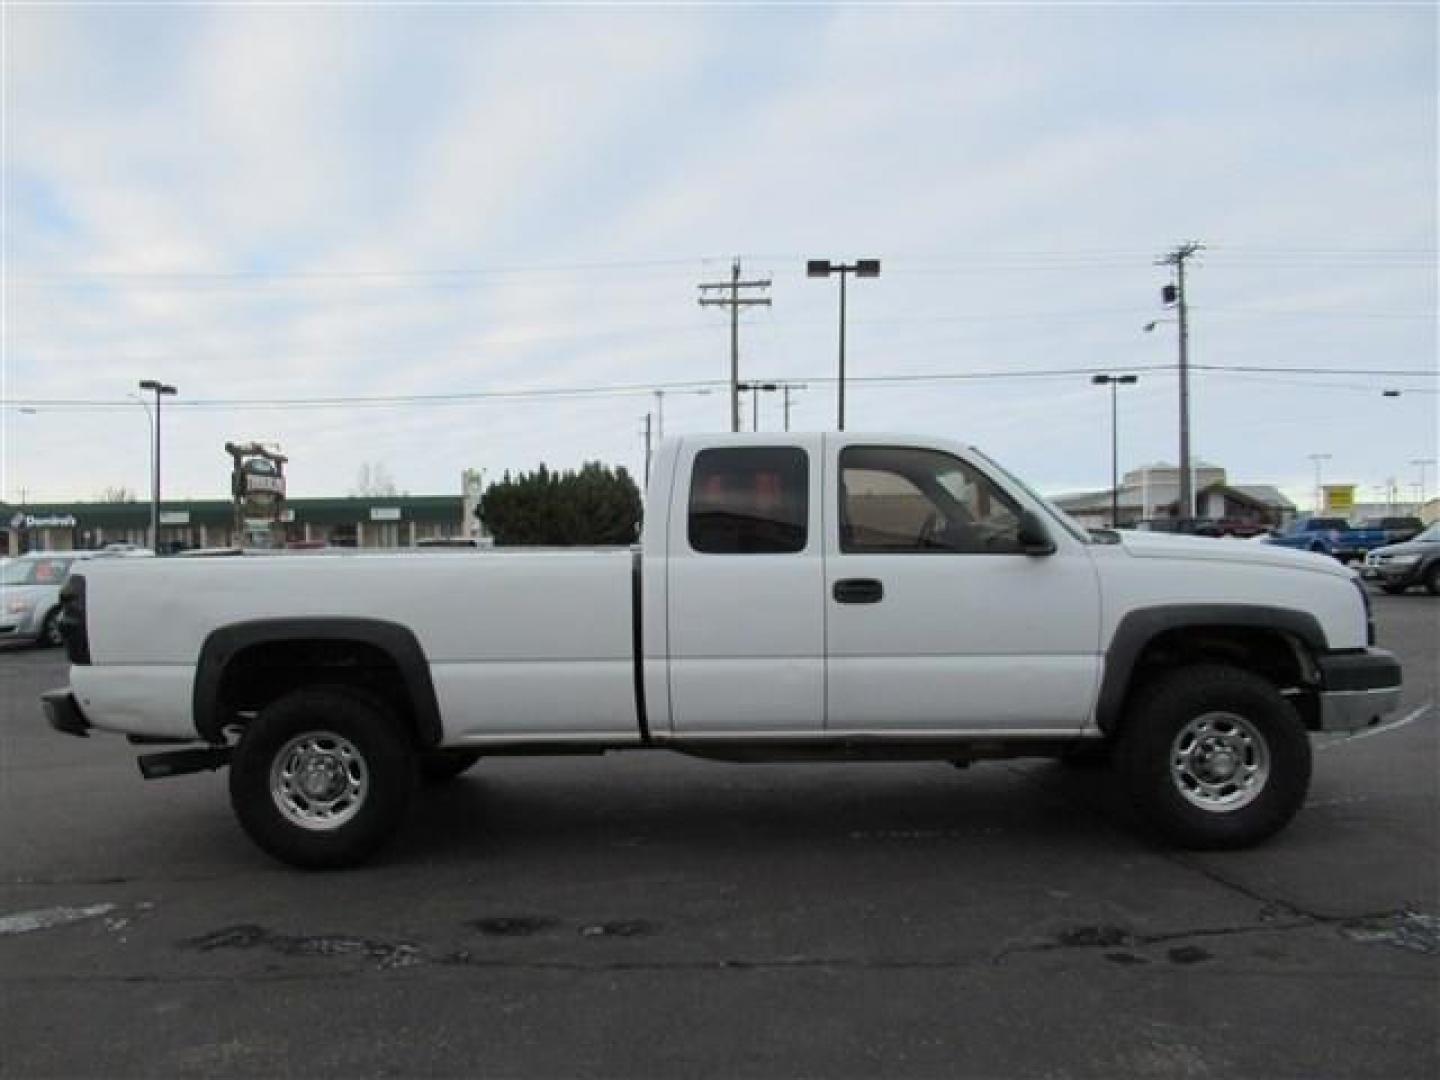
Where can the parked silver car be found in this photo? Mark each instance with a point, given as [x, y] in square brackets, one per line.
[1398, 567]
[30, 593]
[30, 597]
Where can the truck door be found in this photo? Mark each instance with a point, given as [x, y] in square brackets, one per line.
[936, 621]
[745, 586]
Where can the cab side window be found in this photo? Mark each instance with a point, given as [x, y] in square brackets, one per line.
[905, 500]
[749, 501]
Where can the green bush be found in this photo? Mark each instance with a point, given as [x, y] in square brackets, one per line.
[597, 505]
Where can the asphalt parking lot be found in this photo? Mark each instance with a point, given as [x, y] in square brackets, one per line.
[648, 915]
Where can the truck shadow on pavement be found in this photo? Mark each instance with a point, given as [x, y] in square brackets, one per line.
[511, 808]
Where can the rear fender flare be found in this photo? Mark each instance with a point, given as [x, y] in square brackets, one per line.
[396, 641]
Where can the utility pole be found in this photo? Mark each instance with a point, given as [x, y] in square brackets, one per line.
[735, 302]
[1175, 294]
[647, 450]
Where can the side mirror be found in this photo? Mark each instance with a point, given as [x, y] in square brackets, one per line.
[1033, 536]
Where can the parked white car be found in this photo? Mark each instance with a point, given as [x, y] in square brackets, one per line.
[824, 596]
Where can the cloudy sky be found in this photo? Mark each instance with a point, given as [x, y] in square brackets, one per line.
[438, 238]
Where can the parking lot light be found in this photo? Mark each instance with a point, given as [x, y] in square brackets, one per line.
[159, 389]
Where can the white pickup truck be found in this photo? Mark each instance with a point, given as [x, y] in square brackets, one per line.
[795, 597]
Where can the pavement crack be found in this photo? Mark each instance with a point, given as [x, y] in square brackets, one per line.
[1094, 938]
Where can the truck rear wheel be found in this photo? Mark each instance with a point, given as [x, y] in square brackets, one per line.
[322, 777]
[1213, 757]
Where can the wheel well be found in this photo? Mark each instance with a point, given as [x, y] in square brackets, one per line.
[260, 674]
[1275, 656]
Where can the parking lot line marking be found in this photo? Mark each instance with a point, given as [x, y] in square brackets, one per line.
[25, 922]
[1409, 718]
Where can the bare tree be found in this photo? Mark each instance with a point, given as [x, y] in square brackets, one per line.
[117, 495]
[374, 480]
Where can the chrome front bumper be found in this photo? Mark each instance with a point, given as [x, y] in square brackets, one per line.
[1357, 689]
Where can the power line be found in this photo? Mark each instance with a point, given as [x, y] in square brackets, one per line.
[603, 266]
[632, 389]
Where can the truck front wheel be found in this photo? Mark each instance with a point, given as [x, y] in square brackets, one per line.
[322, 777]
[1213, 757]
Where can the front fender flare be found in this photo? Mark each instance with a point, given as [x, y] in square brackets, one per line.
[1137, 629]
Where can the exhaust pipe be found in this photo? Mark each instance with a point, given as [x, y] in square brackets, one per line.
[180, 762]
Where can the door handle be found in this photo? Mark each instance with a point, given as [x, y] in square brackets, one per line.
[858, 591]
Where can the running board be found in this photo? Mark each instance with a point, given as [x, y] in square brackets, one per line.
[180, 762]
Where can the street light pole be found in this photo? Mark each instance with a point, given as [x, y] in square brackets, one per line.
[786, 388]
[1422, 463]
[160, 390]
[1114, 382]
[866, 268]
[754, 388]
[1319, 487]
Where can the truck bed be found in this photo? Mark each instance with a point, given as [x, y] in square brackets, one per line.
[481, 628]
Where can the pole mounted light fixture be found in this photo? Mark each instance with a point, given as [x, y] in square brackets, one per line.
[159, 389]
[1115, 382]
[754, 389]
[865, 268]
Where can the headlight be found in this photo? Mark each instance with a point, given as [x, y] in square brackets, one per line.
[18, 607]
[1404, 560]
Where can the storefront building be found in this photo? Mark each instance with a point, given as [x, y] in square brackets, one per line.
[379, 522]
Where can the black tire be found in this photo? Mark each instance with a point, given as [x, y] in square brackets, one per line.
[438, 766]
[352, 743]
[1392, 587]
[50, 636]
[1432, 579]
[1182, 734]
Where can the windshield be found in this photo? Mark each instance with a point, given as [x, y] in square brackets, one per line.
[35, 572]
[1431, 535]
[1069, 524]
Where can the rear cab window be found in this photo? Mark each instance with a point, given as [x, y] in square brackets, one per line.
[752, 500]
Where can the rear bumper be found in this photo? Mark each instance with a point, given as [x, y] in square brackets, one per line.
[62, 712]
[1357, 689]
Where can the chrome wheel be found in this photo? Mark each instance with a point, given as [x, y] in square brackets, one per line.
[319, 780]
[1219, 762]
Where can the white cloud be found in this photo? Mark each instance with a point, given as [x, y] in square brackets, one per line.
[319, 140]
